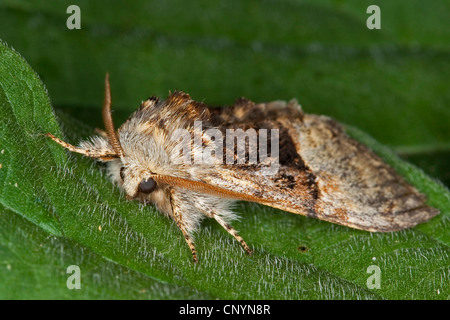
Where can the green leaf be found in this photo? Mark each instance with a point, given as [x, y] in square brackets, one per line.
[72, 207]
[59, 209]
[34, 266]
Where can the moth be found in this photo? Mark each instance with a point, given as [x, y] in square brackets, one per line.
[321, 171]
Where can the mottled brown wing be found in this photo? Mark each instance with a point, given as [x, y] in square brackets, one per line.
[323, 173]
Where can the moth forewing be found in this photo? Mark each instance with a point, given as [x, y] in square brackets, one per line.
[324, 173]
[320, 172]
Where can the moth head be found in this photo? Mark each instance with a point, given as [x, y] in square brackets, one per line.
[138, 178]
[136, 181]
[143, 179]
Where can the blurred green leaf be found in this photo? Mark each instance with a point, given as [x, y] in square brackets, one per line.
[59, 209]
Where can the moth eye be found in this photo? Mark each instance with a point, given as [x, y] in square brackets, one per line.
[147, 186]
[122, 173]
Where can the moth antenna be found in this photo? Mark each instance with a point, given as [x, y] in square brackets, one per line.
[104, 156]
[108, 121]
[202, 187]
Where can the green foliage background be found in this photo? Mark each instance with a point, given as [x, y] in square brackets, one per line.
[391, 84]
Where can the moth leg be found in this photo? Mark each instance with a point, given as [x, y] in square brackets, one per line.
[187, 237]
[233, 232]
[177, 216]
[101, 132]
[105, 156]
